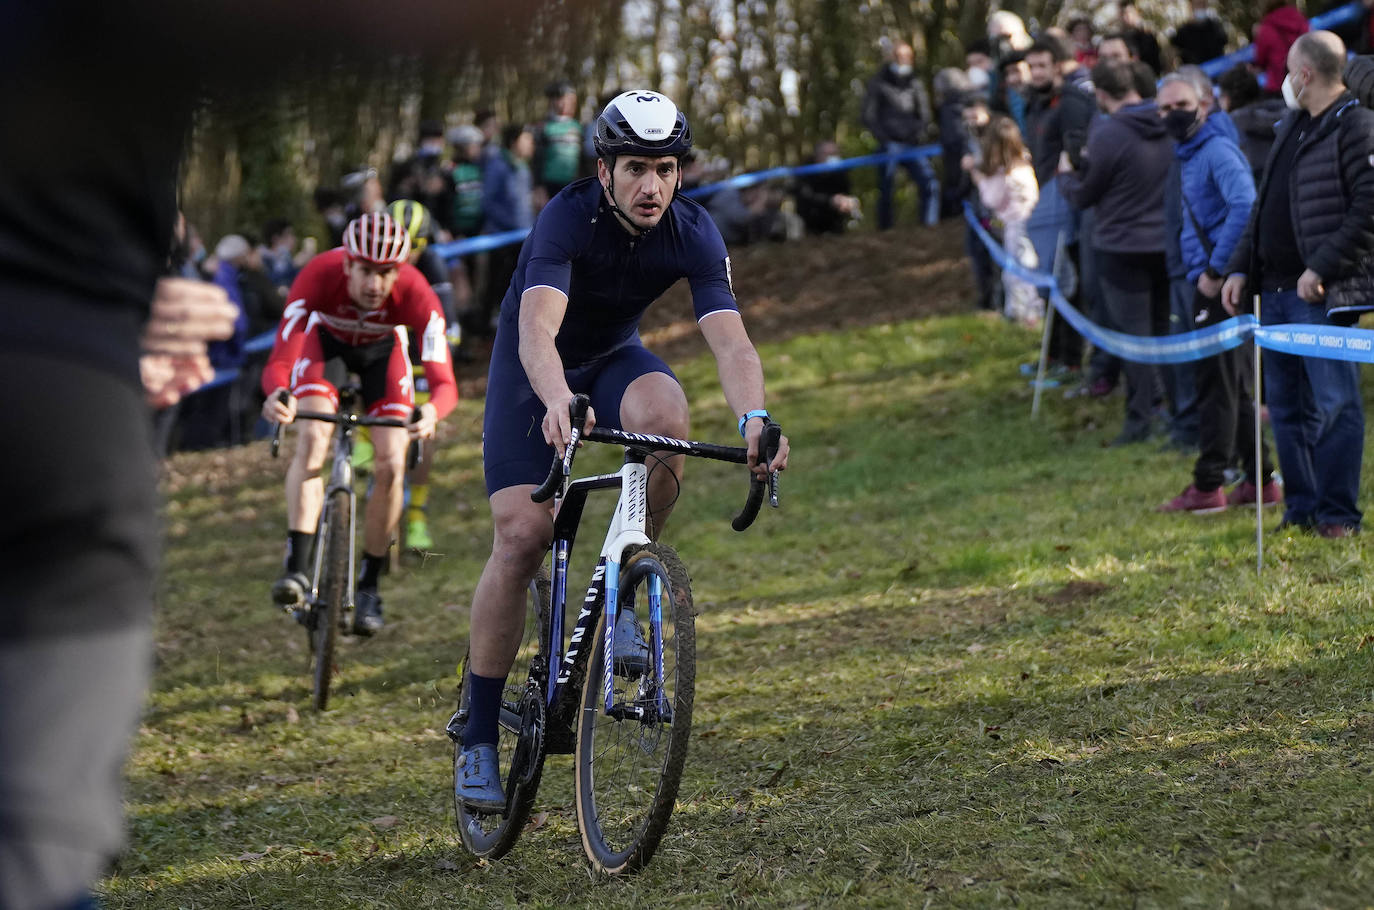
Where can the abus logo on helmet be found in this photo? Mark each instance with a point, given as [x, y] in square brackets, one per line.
[655, 131]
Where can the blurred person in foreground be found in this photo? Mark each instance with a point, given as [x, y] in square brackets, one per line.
[87, 206]
[1216, 195]
[1311, 231]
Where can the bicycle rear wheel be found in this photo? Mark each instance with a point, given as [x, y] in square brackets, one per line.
[628, 769]
[520, 747]
[325, 612]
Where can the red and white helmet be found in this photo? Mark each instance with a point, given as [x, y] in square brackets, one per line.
[376, 238]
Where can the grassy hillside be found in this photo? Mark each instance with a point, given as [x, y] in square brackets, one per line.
[964, 666]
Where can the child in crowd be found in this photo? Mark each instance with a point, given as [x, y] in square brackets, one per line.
[1007, 186]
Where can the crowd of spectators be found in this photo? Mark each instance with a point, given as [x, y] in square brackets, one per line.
[1163, 204]
[1140, 194]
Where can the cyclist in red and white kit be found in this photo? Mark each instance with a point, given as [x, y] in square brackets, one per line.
[359, 308]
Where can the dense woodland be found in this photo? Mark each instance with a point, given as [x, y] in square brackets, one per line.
[762, 79]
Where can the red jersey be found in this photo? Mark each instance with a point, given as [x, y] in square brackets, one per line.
[319, 298]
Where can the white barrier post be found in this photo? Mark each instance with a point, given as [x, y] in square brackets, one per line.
[1257, 397]
[1044, 356]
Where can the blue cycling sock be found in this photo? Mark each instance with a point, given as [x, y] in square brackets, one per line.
[484, 709]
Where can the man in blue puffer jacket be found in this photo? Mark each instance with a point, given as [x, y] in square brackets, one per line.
[1218, 192]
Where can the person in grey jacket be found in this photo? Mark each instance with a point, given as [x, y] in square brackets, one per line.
[1125, 167]
[897, 113]
[1312, 229]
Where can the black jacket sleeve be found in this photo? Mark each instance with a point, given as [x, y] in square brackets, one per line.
[1342, 252]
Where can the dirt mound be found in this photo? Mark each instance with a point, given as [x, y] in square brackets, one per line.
[816, 284]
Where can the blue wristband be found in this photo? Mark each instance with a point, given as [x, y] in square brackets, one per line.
[750, 416]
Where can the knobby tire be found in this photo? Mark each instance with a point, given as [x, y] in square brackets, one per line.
[628, 771]
[324, 632]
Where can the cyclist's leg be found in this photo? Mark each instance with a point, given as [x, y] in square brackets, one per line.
[315, 387]
[644, 396]
[386, 376]
[417, 480]
[515, 459]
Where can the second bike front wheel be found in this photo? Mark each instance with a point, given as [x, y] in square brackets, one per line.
[324, 615]
[520, 753]
[629, 762]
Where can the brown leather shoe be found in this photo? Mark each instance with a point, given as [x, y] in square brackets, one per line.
[1336, 531]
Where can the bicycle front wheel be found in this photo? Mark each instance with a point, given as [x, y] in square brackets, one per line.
[629, 761]
[520, 752]
[325, 613]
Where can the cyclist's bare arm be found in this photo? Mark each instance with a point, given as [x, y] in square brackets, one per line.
[741, 378]
[541, 314]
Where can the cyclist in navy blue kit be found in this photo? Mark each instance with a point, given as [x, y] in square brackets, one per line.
[600, 252]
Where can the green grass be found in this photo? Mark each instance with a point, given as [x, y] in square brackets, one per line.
[964, 666]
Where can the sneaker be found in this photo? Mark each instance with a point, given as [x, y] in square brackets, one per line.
[1244, 494]
[367, 613]
[1101, 387]
[479, 779]
[362, 455]
[1197, 501]
[1334, 531]
[290, 590]
[417, 534]
[631, 650]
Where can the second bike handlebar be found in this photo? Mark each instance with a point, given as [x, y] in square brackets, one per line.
[561, 469]
[412, 451]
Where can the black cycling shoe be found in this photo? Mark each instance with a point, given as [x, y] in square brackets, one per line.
[290, 590]
[367, 613]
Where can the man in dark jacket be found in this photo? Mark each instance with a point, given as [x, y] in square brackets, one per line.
[897, 113]
[1214, 202]
[1311, 228]
[1125, 167]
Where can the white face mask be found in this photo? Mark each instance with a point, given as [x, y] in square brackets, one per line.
[978, 78]
[1291, 97]
[902, 69]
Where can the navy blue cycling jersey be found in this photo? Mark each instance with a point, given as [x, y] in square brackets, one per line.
[610, 277]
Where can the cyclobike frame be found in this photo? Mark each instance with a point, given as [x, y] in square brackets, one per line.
[335, 571]
[554, 707]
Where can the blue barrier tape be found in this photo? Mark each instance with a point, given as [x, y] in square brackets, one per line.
[1338, 16]
[459, 248]
[1326, 341]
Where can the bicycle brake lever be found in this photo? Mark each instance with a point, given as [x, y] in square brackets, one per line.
[283, 396]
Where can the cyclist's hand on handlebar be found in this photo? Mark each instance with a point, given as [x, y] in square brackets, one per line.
[558, 423]
[753, 430]
[278, 411]
[426, 420]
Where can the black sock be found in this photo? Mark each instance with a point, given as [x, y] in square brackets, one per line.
[372, 569]
[484, 709]
[298, 547]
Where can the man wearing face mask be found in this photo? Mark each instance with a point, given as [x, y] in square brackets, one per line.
[1311, 228]
[897, 113]
[1216, 194]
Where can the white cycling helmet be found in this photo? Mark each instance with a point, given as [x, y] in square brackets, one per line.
[642, 123]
